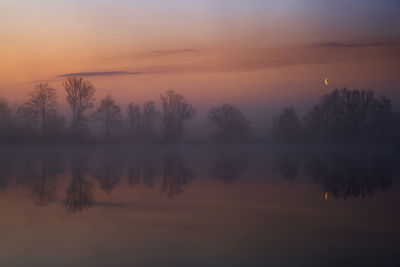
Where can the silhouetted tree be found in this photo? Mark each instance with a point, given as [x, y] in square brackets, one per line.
[80, 191]
[134, 116]
[57, 125]
[396, 121]
[175, 176]
[43, 102]
[80, 97]
[286, 126]
[149, 115]
[230, 122]
[350, 114]
[5, 119]
[26, 120]
[175, 111]
[142, 120]
[109, 114]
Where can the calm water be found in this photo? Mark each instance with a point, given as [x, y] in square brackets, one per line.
[252, 205]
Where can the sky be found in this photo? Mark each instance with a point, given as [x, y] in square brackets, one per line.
[258, 54]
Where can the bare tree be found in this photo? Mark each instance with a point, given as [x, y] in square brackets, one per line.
[26, 120]
[5, 118]
[134, 116]
[175, 111]
[43, 101]
[80, 97]
[286, 126]
[142, 119]
[149, 115]
[109, 114]
[230, 122]
[349, 115]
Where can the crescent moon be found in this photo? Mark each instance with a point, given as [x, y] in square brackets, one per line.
[326, 81]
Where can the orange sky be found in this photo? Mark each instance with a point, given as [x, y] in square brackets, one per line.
[248, 52]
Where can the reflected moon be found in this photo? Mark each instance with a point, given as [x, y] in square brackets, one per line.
[326, 81]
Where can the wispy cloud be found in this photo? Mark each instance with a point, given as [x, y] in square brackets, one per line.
[98, 73]
[358, 44]
[175, 51]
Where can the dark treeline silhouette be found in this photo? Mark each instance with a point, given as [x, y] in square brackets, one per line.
[142, 121]
[341, 116]
[286, 126]
[80, 97]
[230, 122]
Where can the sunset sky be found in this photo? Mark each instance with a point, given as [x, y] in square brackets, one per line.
[249, 52]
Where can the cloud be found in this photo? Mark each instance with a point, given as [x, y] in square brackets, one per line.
[358, 44]
[98, 73]
[174, 51]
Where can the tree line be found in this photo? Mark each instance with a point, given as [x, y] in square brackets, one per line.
[342, 115]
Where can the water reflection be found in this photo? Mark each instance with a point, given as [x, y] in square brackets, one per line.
[6, 171]
[143, 168]
[108, 171]
[77, 173]
[39, 176]
[346, 175]
[175, 175]
[288, 164]
[80, 190]
[229, 167]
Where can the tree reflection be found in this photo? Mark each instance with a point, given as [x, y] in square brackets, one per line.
[39, 176]
[350, 175]
[149, 172]
[228, 168]
[144, 168]
[134, 173]
[288, 164]
[80, 191]
[108, 172]
[175, 176]
[6, 171]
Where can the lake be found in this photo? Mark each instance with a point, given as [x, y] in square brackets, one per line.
[200, 205]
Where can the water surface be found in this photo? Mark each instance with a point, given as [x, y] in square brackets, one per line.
[200, 205]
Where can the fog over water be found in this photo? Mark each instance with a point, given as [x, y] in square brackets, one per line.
[226, 205]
